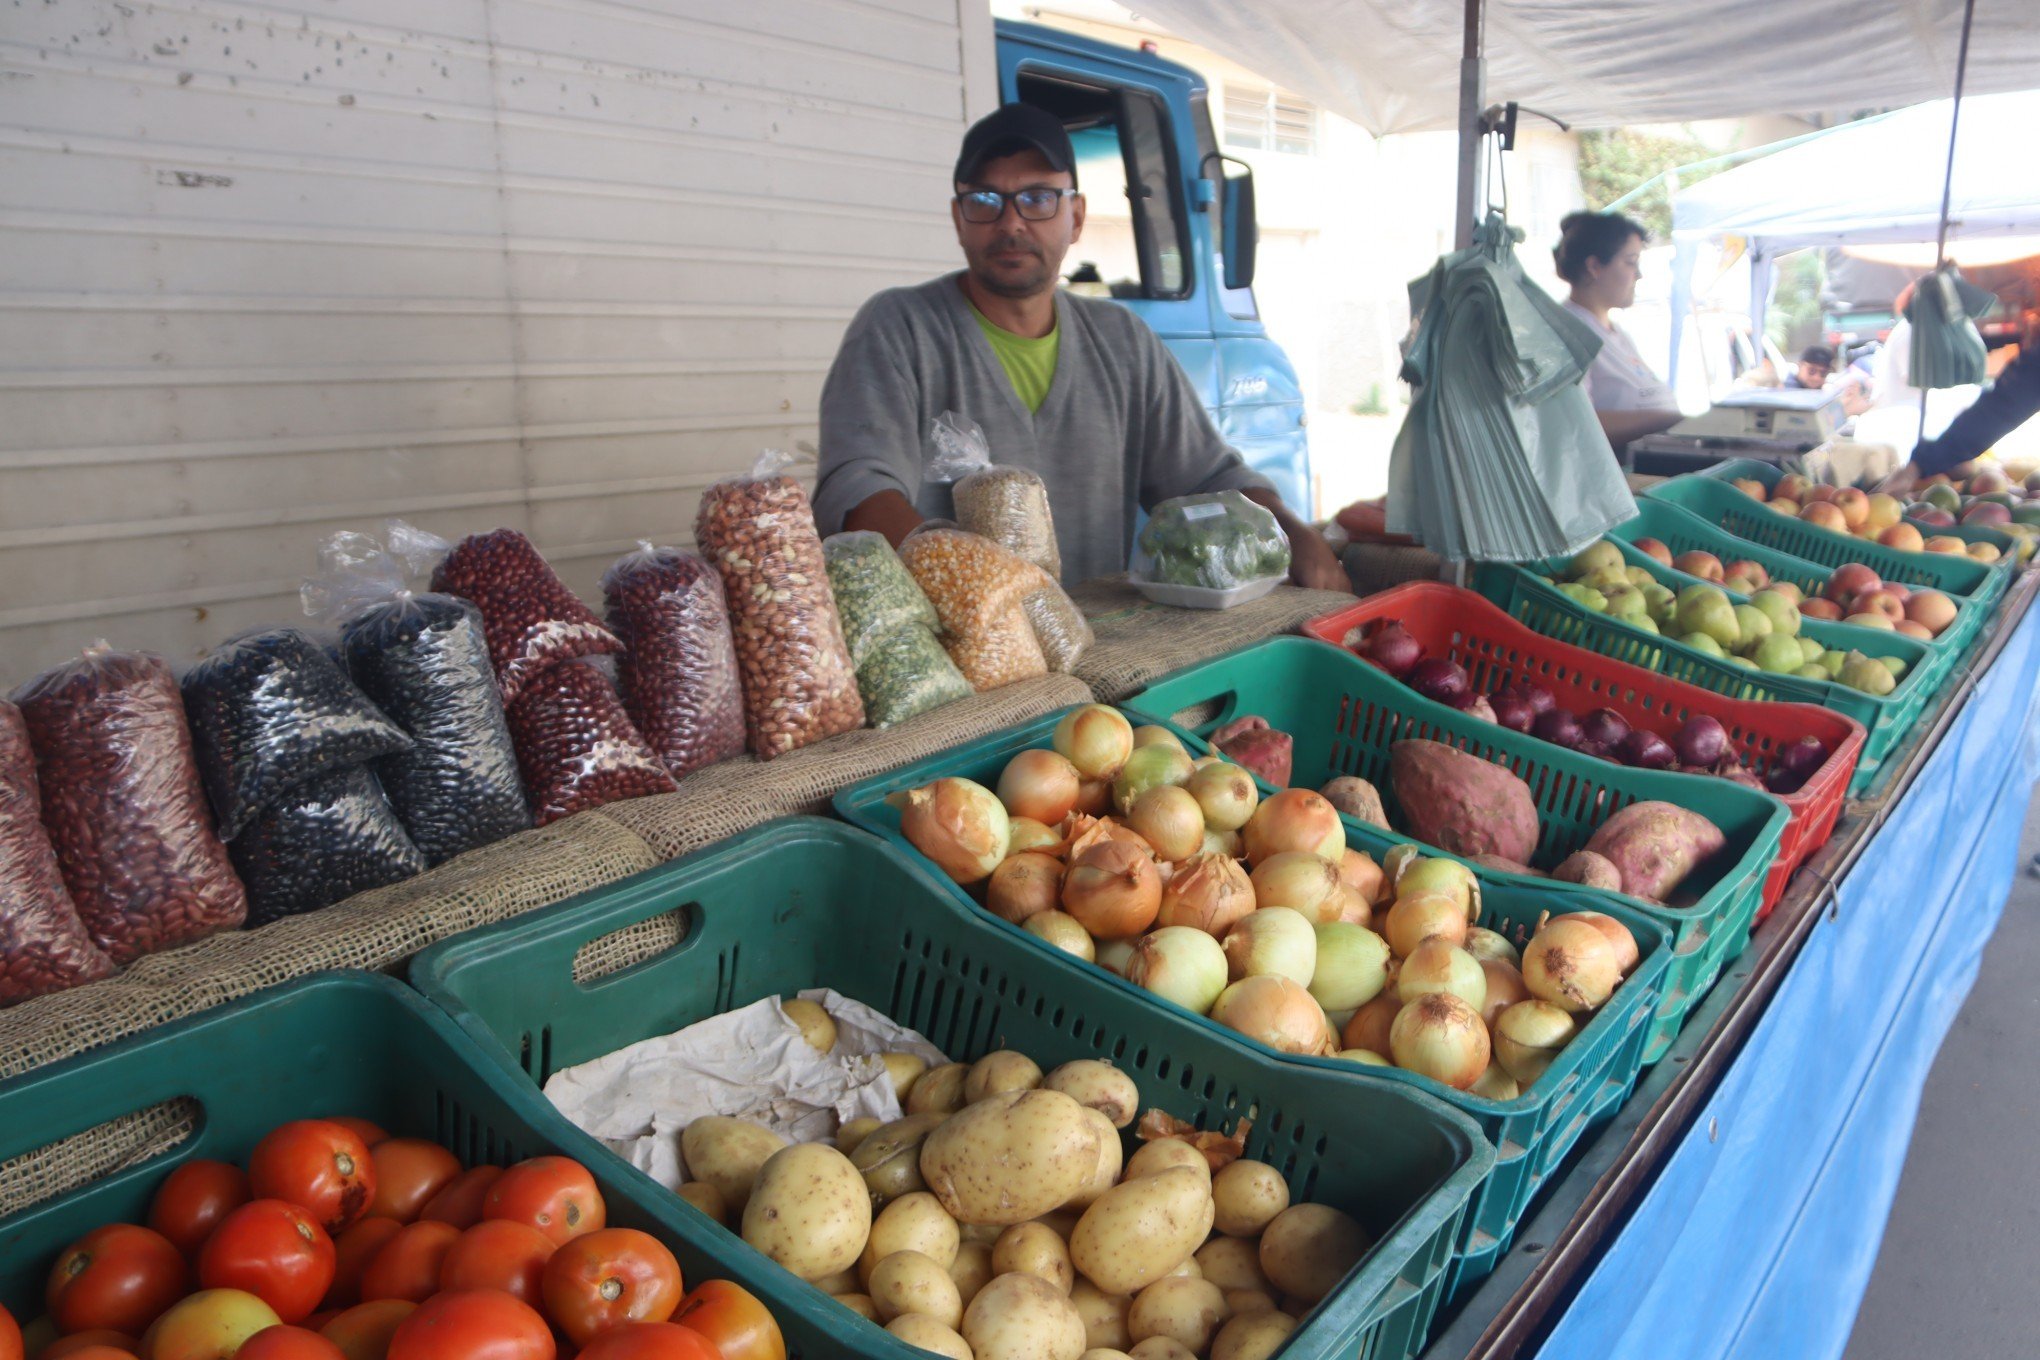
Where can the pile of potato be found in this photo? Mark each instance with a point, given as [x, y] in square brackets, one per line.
[1002, 1220]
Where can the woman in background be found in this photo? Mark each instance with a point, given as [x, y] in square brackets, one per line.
[1600, 255]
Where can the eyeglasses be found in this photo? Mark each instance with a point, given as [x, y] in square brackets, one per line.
[984, 206]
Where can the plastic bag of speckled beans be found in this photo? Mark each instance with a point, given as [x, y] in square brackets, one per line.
[678, 671]
[43, 944]
[891, 629]
[124, 806]
[270, 710]
[979, 592]
[325, 840]
[532, 620]
[578, 748]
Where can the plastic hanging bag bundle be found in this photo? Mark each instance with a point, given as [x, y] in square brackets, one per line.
[678, 672]
[891, 629]
[1947, 348]
[43, 944]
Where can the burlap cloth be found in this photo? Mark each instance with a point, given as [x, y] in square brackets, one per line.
[1375, 567]
[1139, 641]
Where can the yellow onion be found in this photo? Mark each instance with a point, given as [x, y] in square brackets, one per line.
[1351, 967]
[1151, 767]
[1364, 1057]
[1094, 796]
[1353, 908]
[1619, 938]
[1226, 793]
[1112, 890]
[960, 825]
[1039, 784]
[1180, 964]
[1272, 942]
[1441, 1037]
[1504, 988]
[1440, 875]
[1301, 881]
[1418, 917]
[1437, 965]
[1358, 871]
[1024, 833]
[1208, 892]
[1114, 955]
[1529, 1035]
[1274, 1011]
[1095, 739]
[1151, 734]
[1024, 884]
[1571, 965]
[1169, 820]
[1295, 819]
[1496, 1084]
[1063, 931]
[1370, 1026]
[1225, 843]
[1485, 944]
[1098, 830]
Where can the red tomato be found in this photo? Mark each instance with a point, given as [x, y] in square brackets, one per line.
[367, 1131]
[649, 1341]
[408, 1173]
[316, 1164]
[731, 1316]
[78, 1341]
[460, 1203]
[273, 1250]
[352, 1251]
[555, 1195]
[473, 1324]
[364, 1331]
[408, 1268]
[99, 1352]
[209, 1325]
[317, 1321]
[120, 1276]
[608, 1277]
[288, 1343]
[11, 1347]
[193, 1199]
[501, 1255]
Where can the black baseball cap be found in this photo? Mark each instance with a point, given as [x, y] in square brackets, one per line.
[1015, 127]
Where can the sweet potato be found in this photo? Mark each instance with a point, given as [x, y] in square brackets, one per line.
[1461, 803]
[1508, 866]
[1251, 742]
[1586, 867]
[1654, 846]
[1356, 798]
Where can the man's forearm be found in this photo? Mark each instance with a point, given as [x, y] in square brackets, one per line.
[886, 512]
[1312, 562]
[2003, 407]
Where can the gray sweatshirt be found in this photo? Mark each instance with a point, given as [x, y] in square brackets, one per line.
[1121, 427]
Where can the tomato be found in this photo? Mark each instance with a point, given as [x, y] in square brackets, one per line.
[99, 1351]
[193, 1199]
[555, 1195]
[352, 1251]
[367, 1131]
[408, 1268]
[209, 1325]
[501, 1255]
[408, 1173]
[316, 1164]
[460, 1203]
[731, 1316]
[11, 1345]
[78, 1341]
[288, 1343]
[120, 1276]
[608, 1277]
[473, 1324]
[364, 1331]
[649, 1341]
[275, 1251]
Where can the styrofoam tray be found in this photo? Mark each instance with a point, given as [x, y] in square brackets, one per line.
[1204, 597]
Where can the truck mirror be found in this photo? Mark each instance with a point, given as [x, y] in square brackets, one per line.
[1239, 231]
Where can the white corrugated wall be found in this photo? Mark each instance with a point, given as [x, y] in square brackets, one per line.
[271, 270]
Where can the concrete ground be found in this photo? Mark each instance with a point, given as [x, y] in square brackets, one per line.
[1955, 1276]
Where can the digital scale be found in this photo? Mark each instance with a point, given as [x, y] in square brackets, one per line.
[1769, 423]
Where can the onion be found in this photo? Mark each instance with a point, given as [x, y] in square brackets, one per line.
[1170, 820]
[1275, 1011]
[1094, 796]
[1179, 964]
[1352, 966]
[1417, 917]
[1438, 966]
[1571, 965]
[1540, 699]
[1024, 833]
[1495, 1084]
[1151, 767]
[1604, 725]
[1558, 727]
[1097, 831]
[1095, 739]
[1295, 819]
[1646, 750]
[1394, 650]
[1353, 908]
[1440, 1037]
[1208, 892]
[1062, 931]
[1485, 944]
[1112, 890]
[960, 825]
[1700, 740]
[1504, 988]
[1528, 1036]
[1512, 711]
[1302, 882]
[1364, 1057]
[1225, 843]
[1114, 955]
[1039, 784]
[1358, 871]
[1225, 793]
[1440, 875]
[1475, 706]
[1272, 942]
[1150, 734]
[1799, 760]
[1024, 884]
[1438, 679]
[1370, 1025]
[1599, 750]
[1619, 938]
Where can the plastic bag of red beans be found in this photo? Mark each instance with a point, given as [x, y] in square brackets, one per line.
[43, 944]
[577, 746]
[678, 672]
[533, 622]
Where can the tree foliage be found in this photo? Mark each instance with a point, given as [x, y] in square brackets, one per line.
[1615, 161]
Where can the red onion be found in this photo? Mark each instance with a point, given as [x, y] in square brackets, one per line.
[1604, 725]
[1540, 699]
[1512, 710]
[1436, 678]
[1782, 780]
[1557, 727]
[1737, 774]
[1394, 650]
[1599, 750]
[1475, 705]
[1803, 757]
[1646, 750]
[1701, 740]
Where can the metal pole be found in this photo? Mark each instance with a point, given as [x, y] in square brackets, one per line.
[1472, 101]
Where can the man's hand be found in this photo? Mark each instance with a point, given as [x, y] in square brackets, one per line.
[1312, 563]
[1901, 482]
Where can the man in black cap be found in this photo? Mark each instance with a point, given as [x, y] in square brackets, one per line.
[1077, 389]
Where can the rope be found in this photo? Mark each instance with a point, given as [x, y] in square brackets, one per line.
[1948, 176]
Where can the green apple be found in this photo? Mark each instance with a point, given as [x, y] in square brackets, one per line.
[1813, 650]
[1943, 496]
[1813, 671]
[1663, 599]
[1595, 557]
[1832, 663]
[1612, 579]
[1627, 602]
[1742, 661]
[1778, 654]
[1640, 578]
[1644, 622]
[1782, 612]
[1867, 674]
[1705, 609]
[1752, 624]
[1703, 643]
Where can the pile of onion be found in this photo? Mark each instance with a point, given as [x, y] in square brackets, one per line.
[1276, 1011]
[960, 825]
[1113, 890]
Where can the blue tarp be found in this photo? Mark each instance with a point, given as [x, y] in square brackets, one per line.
[1757, 1239]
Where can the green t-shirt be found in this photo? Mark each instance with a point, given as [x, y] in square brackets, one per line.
[1029, 363]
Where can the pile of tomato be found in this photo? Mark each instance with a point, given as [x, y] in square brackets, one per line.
[339, 1242]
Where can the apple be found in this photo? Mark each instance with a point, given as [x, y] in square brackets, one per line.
[1903, 592]
[1988, 479]
[1825, 515]
[1789, 590]
[1871, 621]
[1854, 505]
[1904, 537]
[1879, 602]
[1742, 566]
[1885, 511]
[1984, 552]
[1818, 608]
[1914, 630]
[1850, 580]
[1654, 550]
[1792, 487]
[1704, 565]
[1931, 610]
[1946, 543]
[1785, 507]
[1986, 513]
[1752, 488]
[1819, 491]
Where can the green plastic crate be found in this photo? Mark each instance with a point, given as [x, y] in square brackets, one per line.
[808, 902]
[1533, 1133]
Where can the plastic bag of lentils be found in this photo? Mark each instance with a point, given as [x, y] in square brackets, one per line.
[577, 746]
[979, 592]
[43, 944]
[124, 806]
[891, 630]
[325, 840]
[532, 620]
[678, 671]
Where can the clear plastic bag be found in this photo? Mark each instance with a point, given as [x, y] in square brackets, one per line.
[271, 709]
[324, 841]
[1217, 541]
[577, 747]
[979, 592]
[1059, 626]
[891, 630]
[678, 671]
[125, 810]
[799, 684]
[532, 620]
[43, 944]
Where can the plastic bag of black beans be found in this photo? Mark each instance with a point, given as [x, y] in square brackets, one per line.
[891, 630]
[678, 672]
[323, 841]
[43, 944]
[577, 746]
[532, 620]
[270, 710]
[122, 800]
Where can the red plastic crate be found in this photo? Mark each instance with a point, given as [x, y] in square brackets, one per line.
[1496, 650]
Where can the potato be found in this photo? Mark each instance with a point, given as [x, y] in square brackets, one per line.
[1231, 1263]
[1161, 1348]
[855, 1132]
[1252, 1336]
[930, 1335]
[859, 1304]
[816, 1026]
[1104, 1353]
[842, 1282]
[1248, 1301]
[915, 1222]
[1010, 1157]
[1308, 1248]
[1034, 1249]
[1097, 1086]
[1001, 1071]
[986, 1233]
[1023, 1317]
[972, 1269]
[1142, 1229]
[1188, 1312]
[1110, 1157]
[905, 1069]
[1104, 1316]
[909, 1282]
[1187, 1269]
[708, 1199]
[890, 1158]
[1062, 1222]
[1247, 1196]
[809, 1210]
[727, 1153]
[939, 1091]
[1164, 1153]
